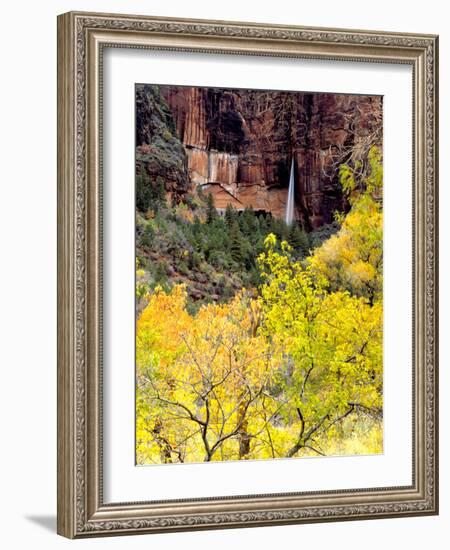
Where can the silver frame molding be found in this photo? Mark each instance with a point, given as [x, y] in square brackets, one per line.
[81, 39]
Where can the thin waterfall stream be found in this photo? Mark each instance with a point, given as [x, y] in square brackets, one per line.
[290, 202]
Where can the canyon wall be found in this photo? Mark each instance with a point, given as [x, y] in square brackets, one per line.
[244, 140]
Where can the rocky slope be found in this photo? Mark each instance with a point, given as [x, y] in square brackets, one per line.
[244, 140]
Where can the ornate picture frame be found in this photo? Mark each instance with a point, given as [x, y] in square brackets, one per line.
[82, 39]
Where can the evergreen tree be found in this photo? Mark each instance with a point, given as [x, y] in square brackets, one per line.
[236, 248]
[148, 235]
[230, 215]
[143, 190]
[298, 239]
[211, 212]
[263, 223]
[279, 228]
[247, 222]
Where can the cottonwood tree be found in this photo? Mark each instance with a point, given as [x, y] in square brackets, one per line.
[331, 344]
[200, 379]
[352, 259]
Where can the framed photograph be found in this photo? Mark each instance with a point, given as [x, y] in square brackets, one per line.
[247, 274]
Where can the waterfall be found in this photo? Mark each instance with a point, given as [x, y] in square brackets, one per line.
[291, 200]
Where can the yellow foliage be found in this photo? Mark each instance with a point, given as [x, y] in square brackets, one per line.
[200, 377]
[353, 258]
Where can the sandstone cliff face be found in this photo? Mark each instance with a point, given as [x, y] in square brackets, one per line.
[244, 140]
[159, 151]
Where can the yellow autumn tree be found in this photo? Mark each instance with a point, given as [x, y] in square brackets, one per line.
[201, 379]
[352, 259]
[330, 344]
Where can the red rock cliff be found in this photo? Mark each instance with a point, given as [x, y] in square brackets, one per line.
[245, 140]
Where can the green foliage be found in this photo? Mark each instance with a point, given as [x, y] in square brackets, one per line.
[160, 272]
[150, 193]
[143, 190]
[230, 216]
[148, 235]
[211, 212]
[278, 227]
[192, 238]
[298, 239]
[236, 248]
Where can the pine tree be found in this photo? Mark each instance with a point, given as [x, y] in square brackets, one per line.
[211, 212]
[247, 221]
[143, 190]
[230, 215]
[197, 234]
[236, 251]
[279, 228]
[263, 225]
[298, 239]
